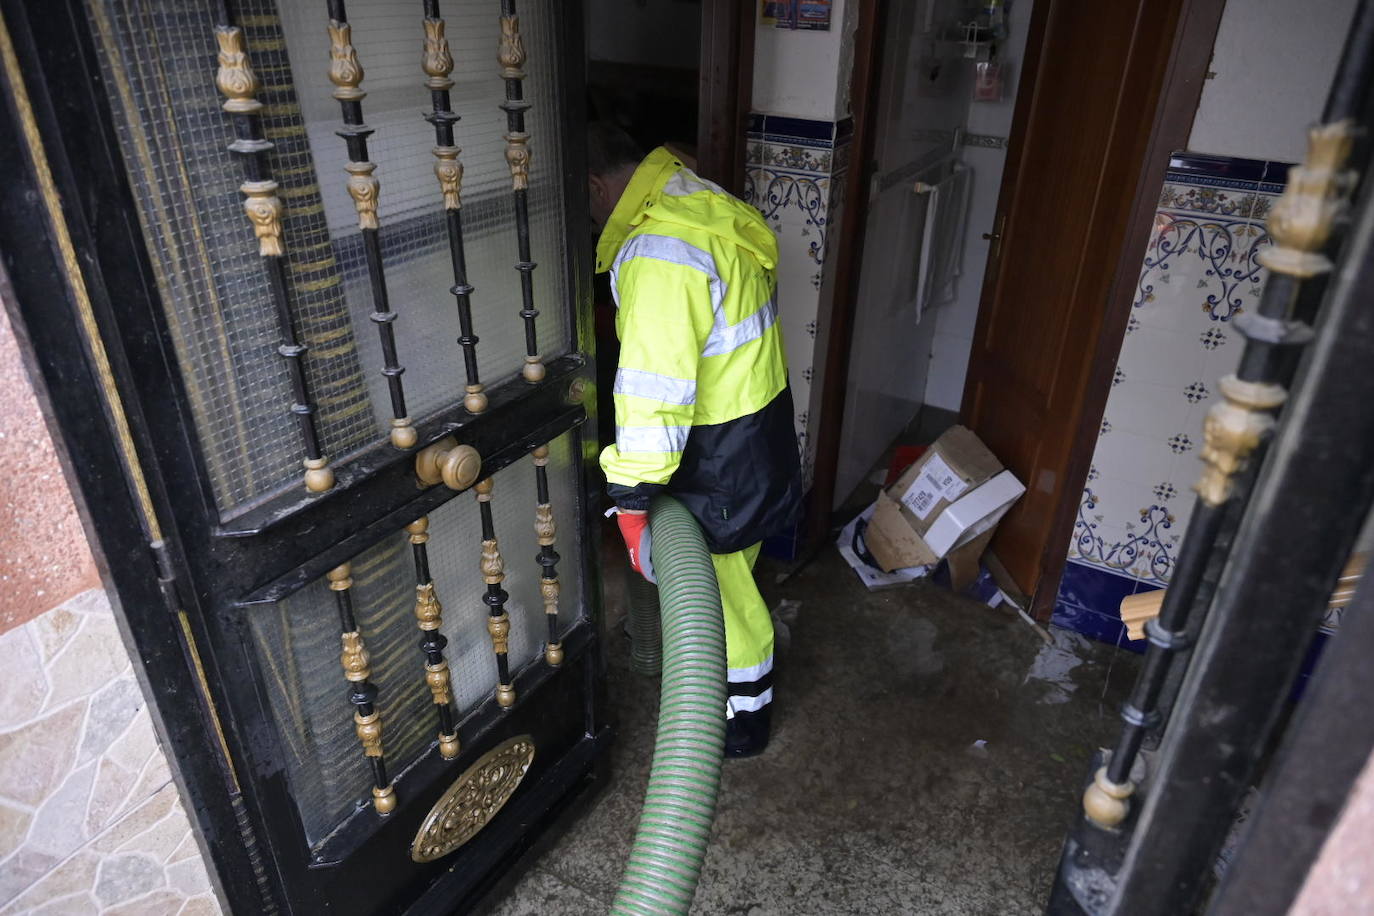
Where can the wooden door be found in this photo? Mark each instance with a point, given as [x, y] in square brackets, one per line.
[319, 342]
[1108, 90]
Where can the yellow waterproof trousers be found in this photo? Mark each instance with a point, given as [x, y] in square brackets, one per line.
[748, 632]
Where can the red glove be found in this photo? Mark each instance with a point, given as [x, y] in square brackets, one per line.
[634, 528]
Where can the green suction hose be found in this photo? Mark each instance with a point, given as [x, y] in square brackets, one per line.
[646, 643]
[675, 826]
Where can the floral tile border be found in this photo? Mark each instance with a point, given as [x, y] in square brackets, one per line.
[1199, 271]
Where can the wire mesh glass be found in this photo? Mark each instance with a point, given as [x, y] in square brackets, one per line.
[158, 58]
[297, 640]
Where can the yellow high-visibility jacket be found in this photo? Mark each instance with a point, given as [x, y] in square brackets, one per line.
[702, 405]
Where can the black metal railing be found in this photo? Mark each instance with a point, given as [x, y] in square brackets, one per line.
[437, 64]
[363, 186]
[511, 56]
[239, 84]
[1272, 526]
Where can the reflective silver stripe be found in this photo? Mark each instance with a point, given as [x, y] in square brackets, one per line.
[674, 251]
[643, 384]
[651, 438]
[688, 182]
[726, 338]
[752, 673]
[747, 704]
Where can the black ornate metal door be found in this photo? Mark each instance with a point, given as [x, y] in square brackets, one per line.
[354, 377]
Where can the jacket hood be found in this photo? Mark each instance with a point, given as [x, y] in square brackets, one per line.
[664, 189]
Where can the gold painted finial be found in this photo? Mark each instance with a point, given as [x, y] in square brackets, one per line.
[428, 611]
[544, 528]
[493, 567]
[369, 731]
[449, 170]
[449, 746]
[476, 400]
[1107, 803]
[511, 53]
[344, 70]
[499, 628]
[419, 530]
[1232, 429]
[403, 434]
[533, 371]
[340, 577]
[541, 455]
[319, 476]
[1317, 193]
[356, 661]
[264, 209]
[437, 677]
[505, 695]
[553, 654]
[364, 188]
[484, 488]
[518, 158]
[435, 59]
[384, 800]
[235, 77]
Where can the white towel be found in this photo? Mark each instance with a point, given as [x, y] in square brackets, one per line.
[942, 242]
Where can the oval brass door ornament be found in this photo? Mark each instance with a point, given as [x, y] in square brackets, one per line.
[473, 800]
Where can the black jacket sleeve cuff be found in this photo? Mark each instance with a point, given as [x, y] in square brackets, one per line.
[636, 497]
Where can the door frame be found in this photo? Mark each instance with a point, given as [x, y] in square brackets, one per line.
[725, 90]
[75, 279]
[1180, 89]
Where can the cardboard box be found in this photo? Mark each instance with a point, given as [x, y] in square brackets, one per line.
[854, 548]
[955, 494]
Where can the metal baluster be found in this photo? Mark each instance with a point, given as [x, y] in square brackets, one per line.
[494, 573]
[239, 84]
[437, 63]
[546, 531]
[367, 720]
[347, 74]
[429, 616]
[511, 56]
[1235, 430]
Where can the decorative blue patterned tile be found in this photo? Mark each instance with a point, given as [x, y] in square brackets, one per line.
[1212, 338]
[1195, 392]
[1094, 625]
[800, 131]
[1093, 588]
[1180, 443]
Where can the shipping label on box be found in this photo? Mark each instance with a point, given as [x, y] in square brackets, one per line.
[935, 481]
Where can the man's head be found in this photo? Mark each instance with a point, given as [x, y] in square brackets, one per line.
[612, 156]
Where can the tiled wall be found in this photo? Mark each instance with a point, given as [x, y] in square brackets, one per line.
[794, 175]
[1199, 272]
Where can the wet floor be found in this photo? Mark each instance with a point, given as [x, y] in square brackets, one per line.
[927, 756]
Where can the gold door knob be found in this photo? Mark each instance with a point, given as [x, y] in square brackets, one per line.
[456, 466]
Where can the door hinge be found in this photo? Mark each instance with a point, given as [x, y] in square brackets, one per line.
[166, 576]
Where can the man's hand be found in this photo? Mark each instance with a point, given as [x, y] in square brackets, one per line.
[634, 528]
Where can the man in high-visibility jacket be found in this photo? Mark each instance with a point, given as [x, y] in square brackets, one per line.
[702, 405]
